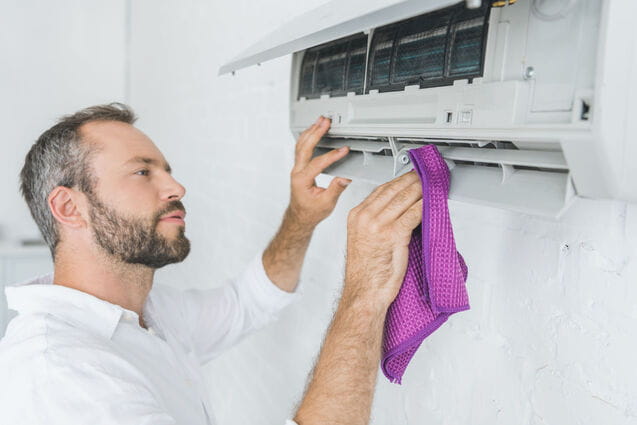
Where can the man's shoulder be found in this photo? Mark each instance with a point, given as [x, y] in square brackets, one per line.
[24, 340]
[38, 339]
[47, 364]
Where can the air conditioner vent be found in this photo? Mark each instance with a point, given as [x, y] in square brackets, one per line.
[430, 50]
[334, 68]
[460, 151]
[492, 172]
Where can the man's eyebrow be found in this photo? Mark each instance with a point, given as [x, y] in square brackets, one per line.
[149, 161]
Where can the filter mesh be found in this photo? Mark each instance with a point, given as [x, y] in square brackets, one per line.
[356, 67]
[420, 55]
[330, 69]
[381, 57]
[429, 50]
[307, 73]
[466, 52]
[334, 68]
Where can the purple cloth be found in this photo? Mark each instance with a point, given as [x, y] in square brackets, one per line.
[434, 284]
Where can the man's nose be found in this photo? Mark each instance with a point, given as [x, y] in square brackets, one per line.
[173, 191]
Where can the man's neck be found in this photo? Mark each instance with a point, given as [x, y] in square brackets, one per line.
[126, 285]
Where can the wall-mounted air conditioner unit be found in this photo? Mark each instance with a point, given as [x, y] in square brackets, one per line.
[529, 101]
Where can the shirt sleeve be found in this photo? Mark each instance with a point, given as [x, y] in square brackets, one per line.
[218, 318]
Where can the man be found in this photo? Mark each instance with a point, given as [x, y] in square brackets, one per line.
[97, 343]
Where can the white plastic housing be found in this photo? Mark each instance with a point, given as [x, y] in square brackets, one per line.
[551, 117]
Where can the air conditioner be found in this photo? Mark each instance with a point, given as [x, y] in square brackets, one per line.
[529, 101]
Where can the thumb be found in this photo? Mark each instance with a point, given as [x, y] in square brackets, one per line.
[336, 187]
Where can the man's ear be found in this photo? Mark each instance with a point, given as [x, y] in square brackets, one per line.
[66, 206]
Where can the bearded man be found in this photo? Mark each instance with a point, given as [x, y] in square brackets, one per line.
[95, 342]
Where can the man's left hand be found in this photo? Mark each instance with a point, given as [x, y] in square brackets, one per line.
[310, 204]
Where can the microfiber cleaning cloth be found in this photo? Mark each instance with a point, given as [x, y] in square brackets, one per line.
[434, 284]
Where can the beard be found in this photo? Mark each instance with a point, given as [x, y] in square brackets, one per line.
[136, 240]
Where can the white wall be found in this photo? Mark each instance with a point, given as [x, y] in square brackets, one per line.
[57, 57]
[551, 335]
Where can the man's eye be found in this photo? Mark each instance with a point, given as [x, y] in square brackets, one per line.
[144, 172]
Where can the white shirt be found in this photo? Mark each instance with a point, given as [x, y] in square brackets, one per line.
[71, 358]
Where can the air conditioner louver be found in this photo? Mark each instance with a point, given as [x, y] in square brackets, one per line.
[495, 173]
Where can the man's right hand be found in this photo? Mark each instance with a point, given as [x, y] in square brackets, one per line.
[378, 234]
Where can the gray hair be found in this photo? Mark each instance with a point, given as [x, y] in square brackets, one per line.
[59, 158]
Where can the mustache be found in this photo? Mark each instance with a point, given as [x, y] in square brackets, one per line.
[172, 206]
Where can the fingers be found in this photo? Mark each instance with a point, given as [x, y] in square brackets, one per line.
[310, 129]
[317, 165]
[383, 194]
[336, 187]
[411, 218]
[308, 141]
[401, 202]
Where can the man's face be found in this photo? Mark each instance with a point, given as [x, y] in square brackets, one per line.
[134, 192]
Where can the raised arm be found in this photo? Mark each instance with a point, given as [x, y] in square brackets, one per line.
[342, 384]
[309, 205]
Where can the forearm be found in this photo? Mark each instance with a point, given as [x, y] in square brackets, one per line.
[342, 384]
[283, 258]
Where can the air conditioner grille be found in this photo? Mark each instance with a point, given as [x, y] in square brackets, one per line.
[334, 68]
[330, 69]
[356, 65]
[430, 50]
[420, 48]
[466, 48]
[381, 58]
[421, 54]
[307, 72]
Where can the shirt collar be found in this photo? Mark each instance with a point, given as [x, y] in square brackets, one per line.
[78, 308]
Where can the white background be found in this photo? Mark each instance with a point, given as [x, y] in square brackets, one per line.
[551, 335]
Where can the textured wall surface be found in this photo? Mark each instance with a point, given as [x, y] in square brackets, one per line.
[57, 57]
